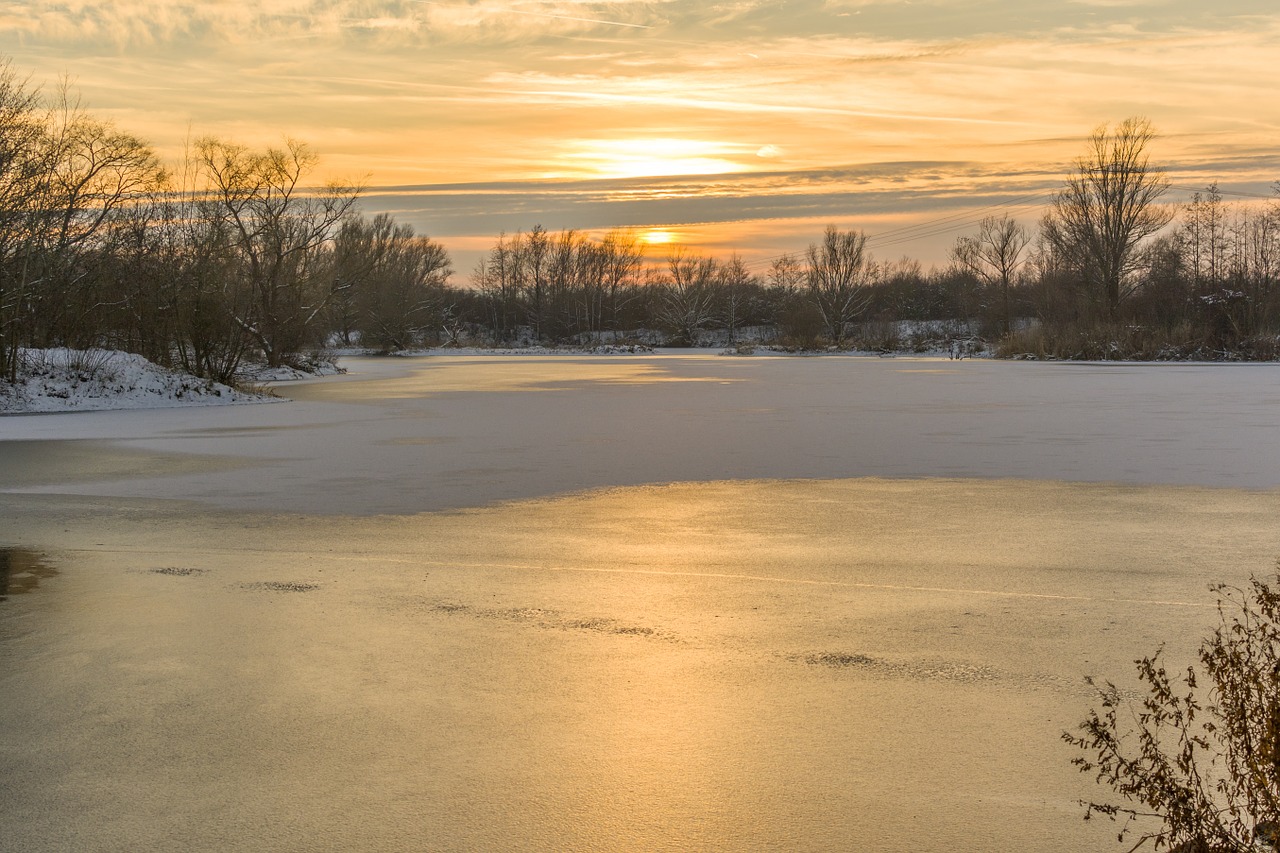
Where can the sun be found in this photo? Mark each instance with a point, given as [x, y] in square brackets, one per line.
[658, 237]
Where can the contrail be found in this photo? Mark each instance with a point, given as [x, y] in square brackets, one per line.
[560, 17]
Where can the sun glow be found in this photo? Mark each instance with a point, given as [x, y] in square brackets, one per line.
[658, 238]
[647, 158]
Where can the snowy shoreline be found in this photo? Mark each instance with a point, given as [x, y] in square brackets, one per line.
[66, 380]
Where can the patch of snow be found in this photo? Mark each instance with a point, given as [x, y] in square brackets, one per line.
[589, 349]
[67, 380]
[292, 374]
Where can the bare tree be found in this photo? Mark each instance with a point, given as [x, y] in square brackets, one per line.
[23, 174]
[687, 298]
[208, 299]
[1258, 241]
[390, 280]
[99, 177]
[1204, 239]
[277, 228]
[994, 256]
[496, 277]
[786, 272]
[533, 259]
[66, 179]
[1109, 205]
[1231, 254]
[839, 274]
[96, 170]
[624, 259]
[737, 290]
[570, 267]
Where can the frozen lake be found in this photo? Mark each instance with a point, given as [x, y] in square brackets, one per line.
[678, 602]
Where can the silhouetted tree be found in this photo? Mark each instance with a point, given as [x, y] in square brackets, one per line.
[737, 296]
[1201, 760]
[277, 228]
[1108, 206]
[994, 255]
[621, 277]
[66, 180]
[23, 178]
[687, 296]
[838, 275]
[389, 280]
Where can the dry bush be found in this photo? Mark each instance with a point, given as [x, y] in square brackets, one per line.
[1117, 341]
[1199, 755]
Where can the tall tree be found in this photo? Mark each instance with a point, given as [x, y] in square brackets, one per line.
[994, 255]
[497, 278]
[737, 295]
[839, 274]
[66, 181]
[624, 260]
[1204, 238]
[278, 227]
[98, 178]
[687, 295]
[1109, 205]
[533, 260]
[23, 174]
[390, 280]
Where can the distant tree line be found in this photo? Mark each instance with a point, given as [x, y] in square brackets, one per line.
[1108, 273]
[232, 258]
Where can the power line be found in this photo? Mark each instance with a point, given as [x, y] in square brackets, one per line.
[1020, 201]
[1205, 188]
[969, 218]
[930, 227]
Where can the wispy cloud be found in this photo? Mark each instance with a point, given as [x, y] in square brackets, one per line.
[515, 10]
[429, 92]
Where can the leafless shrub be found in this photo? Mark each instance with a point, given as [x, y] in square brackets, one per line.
[1196, 761]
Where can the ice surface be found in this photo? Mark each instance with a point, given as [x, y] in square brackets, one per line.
[866, 632]
[406, 435]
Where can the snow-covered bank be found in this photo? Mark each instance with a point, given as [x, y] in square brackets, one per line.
[567, 349]
[66, 380]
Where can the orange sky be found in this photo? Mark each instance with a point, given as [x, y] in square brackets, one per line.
[733, 126]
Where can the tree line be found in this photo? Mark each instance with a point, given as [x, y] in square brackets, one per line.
[1110, 271]
[232, 258]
